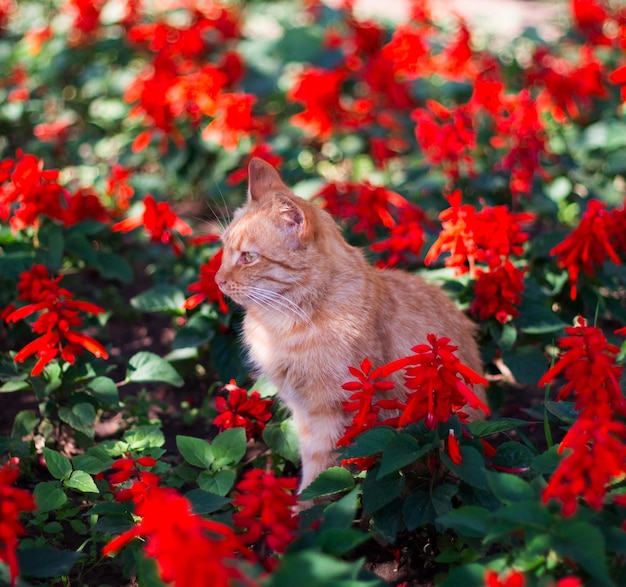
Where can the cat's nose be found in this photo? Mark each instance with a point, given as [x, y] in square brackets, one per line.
[220, 281]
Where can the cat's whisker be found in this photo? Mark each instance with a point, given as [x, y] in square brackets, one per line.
[283, 301]
[266, 303]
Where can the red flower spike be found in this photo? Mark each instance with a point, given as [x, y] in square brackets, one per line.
[498, 293]
[241, 410]
[454, 450]
[446, 137]
[57, 322]
[186, 547]
[588, 246]
[160, 222]
[13, 502]
[28, 192]
[266, 505]
[511, 579]
[597, 440]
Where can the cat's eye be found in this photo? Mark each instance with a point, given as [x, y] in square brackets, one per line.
[248, 257]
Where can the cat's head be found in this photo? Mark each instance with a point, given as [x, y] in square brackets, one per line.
[271, 248]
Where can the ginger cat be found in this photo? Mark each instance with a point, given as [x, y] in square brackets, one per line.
[314, 306]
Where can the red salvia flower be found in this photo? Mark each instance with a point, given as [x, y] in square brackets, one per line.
[186, 547]
[206, 288]
[618, 77]
[13, 502]
[363, 401]
[590, 17]
[129, 481]
[405, 238]
[491, 235]
[588, 245]
[57, 321]
[85, 19]
[28, 192]
[446, 137]
[597, 440]
[498, 233]
[454, 450]
[590, 368]
[241, 410]
[160, 222]
[85, 204]
[596, 457]
[456, 236]
[407, 51]
[520, 131]
[266, 510]
[498, 292]
[233, 120]
[371, 206]
[510, 579]
[567, 87]
[117, 186]
[438, 383]
[318, 90]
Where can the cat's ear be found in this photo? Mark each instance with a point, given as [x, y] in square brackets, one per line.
[293, 221]
[263, 181]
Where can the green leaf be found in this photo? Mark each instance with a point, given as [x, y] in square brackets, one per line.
[140, 438]
[400, 451]
[80, 417]
[527, 363]
[198, 331]
[220, 482]
[468, 575]
[160, 298]
[329, 482]
[421, 508]
[228, 358]
[418, 510]
[282, 438]
[583, 543]
[205, 502]
[81, 481]
[340, 541]
[46, 562]
[509, 488]
[341, 513]
[195, 451]
[58, 464]
[547, 462]
[24, 423]
[311, 568]
[538, 318]
[369, 443]
[53, 241]
[90, 463]
[229, 447]
[470, 521]
[49, 496]
[146, 366]
[112, 266]
[104, 390]
[484, 428]
[513, 456]
[564, 411]
[379, 491]
[472, 468]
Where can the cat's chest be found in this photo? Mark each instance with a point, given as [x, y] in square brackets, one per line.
[295, 359]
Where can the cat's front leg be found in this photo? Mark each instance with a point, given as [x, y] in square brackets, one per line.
[318, 434]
